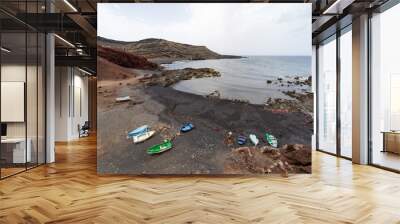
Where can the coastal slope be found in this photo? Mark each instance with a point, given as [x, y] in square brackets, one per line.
[163, 51]
[125, 59]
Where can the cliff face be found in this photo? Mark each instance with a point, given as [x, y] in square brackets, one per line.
[125, 59]
[158, 48]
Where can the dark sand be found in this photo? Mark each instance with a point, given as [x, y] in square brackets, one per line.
[201, 151]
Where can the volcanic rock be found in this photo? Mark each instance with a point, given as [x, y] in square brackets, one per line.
[170, 77]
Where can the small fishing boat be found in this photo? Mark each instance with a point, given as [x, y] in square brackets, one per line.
[123, 98]
[241, 139]
[271, 140]
[186, 127]
[143, 136]
[138, 131]
[156, 149]
[254, 139]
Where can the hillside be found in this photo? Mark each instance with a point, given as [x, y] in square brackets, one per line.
[158, 50]
[110, 71]
[125, 59]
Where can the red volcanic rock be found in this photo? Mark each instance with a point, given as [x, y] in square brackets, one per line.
[297, 154]
[265, 159]
[125, 59]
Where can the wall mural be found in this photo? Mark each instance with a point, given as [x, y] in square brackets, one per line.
[204, 88]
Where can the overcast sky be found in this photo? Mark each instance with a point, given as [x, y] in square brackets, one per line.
[238, 29]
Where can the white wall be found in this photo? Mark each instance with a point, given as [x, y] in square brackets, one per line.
[62, 82]
[16, 72]
[71, 94]
[33, 126]
[80, 111]
[9, 73]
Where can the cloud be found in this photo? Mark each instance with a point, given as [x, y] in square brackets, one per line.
[240, 29]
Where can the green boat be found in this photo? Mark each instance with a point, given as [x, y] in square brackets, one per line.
[156, 149]
[271, 140]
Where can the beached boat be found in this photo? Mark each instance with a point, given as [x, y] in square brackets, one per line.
[271, 140]
[254, 139]
[241, 139]
[123, 99]
[156, 149]
[187, 127]
[138, 131]
[143, 136]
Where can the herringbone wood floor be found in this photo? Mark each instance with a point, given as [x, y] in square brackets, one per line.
[69, 191]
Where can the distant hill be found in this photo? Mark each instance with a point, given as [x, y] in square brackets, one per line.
[163, 50]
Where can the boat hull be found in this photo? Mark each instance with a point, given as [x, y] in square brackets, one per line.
[123, 99]
[138, 131]
[143, 137]
[187, 127]
[271, 140]
[241, 140]
[160, 148]
[254, 139]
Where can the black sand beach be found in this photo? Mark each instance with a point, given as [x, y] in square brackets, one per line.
[201, 151]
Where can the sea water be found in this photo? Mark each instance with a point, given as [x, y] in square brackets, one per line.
[246, 78]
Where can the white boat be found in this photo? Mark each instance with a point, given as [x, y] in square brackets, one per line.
[143, 137]
[254, 139]
[138, 131]
[271, 140]
[123, 98]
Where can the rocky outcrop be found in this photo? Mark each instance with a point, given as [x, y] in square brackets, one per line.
[291, 81]
[215, 94]
[278, 104]
[157, 49]
[301, 102]
[125, 59]
[265, 159]
[170, 77]
[297, 154]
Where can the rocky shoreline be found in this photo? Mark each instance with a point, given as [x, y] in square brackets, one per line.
[167, 78]
[301, 100]
[291, 81]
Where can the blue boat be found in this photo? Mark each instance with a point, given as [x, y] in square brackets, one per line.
[138, 131]
[241, 139]
[187, 127]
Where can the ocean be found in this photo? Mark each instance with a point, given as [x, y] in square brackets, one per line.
[246, 78]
